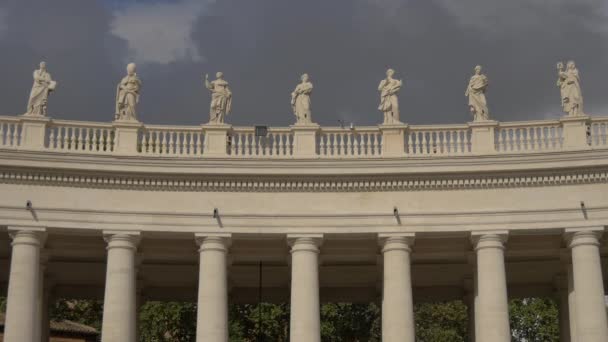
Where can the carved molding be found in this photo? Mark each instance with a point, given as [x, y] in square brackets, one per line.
[335, 183]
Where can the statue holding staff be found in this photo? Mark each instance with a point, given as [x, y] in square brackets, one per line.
[127, 95]
[221, 98]
[569, 84]
[300, 101]
[389, 103]
[477, 98]
[43, 86]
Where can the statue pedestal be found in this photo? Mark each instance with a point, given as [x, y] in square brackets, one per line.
[126, 136]
[216, 138]
[33, 131]
[575, 132]
[482, 136]
[305, 140]
[393, 139]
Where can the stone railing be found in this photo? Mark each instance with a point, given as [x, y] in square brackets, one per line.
[309, 141]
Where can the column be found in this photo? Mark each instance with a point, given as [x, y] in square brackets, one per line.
[119, 309]
[492, 301]
[305, 319]
[572, 305]
[397, 303]
[469, 301]
[561, 294]
[591, 324]
[212, 314]
[22, 303]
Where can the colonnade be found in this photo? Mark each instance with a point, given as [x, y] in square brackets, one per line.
[583, 300]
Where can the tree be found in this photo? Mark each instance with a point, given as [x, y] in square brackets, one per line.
[167, 322]
[534, 320]
[441, 322]
[350, 322]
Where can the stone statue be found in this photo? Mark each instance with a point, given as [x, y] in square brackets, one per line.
[221, 98]
[300, 101]
[570, 88]
[127, 95]
[389, 103]
[43, 86]
[477, 98]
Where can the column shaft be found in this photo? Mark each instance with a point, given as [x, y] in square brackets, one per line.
[493, 306]
[397, 302]
[591, 324]
[22, 303]
[119, 310]
[305, 320]
[572, 305]
[212, 314]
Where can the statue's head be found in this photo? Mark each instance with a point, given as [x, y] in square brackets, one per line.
[131, 69]
[570, 65]
[304, 77]
[219, 75]
[478, 70]
[42, 65]
[390, 72]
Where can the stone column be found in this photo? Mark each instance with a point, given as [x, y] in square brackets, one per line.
[571, 305]
[492, 301]
[397, 303]
[469, 301]
[212, 315]
[305, 319]
[561, 294]
[120, 314]
[22, 298]
[591, 324]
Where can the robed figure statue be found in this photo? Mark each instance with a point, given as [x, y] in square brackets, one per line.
[389, 103]
[476, 91]
[127, 95]
[43, 86]
[221, 98]
[569, 84]
[300, 101]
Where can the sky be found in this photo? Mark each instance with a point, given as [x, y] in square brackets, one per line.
[263, 46]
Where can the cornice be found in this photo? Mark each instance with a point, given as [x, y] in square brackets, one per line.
[299, 183]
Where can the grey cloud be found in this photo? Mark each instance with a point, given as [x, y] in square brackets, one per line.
[263, 46]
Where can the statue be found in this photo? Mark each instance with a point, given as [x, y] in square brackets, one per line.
[389, 103]
[300, 101]
[127, 95]
[570, 88]
[43, 86]
[477, 98]
[221, 98]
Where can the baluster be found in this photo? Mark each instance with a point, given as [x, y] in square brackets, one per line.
[10, 134]
[410, 143]
[95, 140]
[161, 141]
[2, 134]
[51, 137]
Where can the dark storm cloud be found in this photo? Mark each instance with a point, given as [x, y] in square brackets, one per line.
[264, 45]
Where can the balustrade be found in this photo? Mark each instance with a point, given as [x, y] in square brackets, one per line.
[438, 140]
[360, 142]
[243, 142]
[529, 136]
[171, 140]
[325, 143]
[10, 132]
[78, 136]
[598, 132]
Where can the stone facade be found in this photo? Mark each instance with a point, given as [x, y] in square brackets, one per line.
[397, 214]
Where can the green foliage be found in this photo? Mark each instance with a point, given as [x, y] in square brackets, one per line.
[246, 325]
[167, 322]
[89, 312]
[350, 322]
[441, 322]
[534, 320]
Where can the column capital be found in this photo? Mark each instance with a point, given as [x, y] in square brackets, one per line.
[489, 239]
[583, 236]
[27, 235]
[213, 241]
[396, 241]
[303, 242]
[122, 239]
